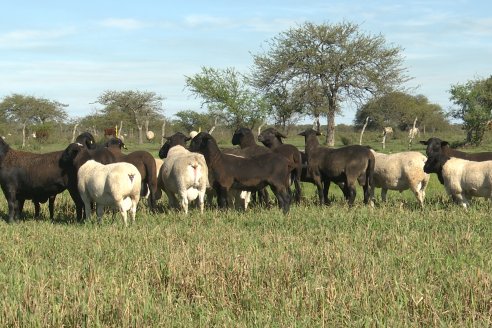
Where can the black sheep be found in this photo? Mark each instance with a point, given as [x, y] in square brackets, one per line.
[436, 146]
[250, 173]
[344, 166]
[25, 175]
[272, 139]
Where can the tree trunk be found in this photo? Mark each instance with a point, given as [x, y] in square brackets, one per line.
[119, 131]
[330, 128]
[140, 136]
[363, 129]
[74, 131]
[163, 132]
[24, 135]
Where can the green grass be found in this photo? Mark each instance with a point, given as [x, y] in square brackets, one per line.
[393, 265]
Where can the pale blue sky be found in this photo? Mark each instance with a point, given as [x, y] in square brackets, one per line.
[73, 51]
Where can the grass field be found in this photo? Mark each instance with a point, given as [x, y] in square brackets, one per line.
[393, 265]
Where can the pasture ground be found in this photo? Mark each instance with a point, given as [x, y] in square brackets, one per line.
[393, 265]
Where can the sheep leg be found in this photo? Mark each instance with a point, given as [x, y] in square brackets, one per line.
[100, 212]
[12, 207]
[221, 196]
[350, 193]
[124, 215]
[51, 207]
[326, 188]
[37, 209]
[201, 201]
[298, 190]
[184, 200]
[384, 191]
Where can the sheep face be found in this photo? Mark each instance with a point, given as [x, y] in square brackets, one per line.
[70, 153]
[200, 142]
[241, 134]
[115, 142]
[434, 146]
[176, 139]
[270, 137]
[86, 139]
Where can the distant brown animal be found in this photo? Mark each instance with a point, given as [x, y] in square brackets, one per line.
[110, 132]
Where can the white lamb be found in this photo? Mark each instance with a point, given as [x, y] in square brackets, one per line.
[462, 179]
[401, 171]
[115, 185]
[185, 175]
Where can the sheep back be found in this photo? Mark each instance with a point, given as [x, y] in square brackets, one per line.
[399, 171]
[108, 184]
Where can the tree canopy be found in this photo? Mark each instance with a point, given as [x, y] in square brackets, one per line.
[474, 101]
[227, 96]
[399, 110]
[332, 64]
[25, 110]
[134, 106]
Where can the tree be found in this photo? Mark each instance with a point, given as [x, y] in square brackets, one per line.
[228, 97]
[191, 120]
[333, 63]
[138, 107]
[474, 101]
[25, 110]
[398, 110]
[285, 106]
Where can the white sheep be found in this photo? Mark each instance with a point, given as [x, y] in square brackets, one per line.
[184, 174]
[462, 179]
[401, 171]
[115, 185]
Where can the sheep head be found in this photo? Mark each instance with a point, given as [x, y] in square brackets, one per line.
[243, 137]
[70, 153]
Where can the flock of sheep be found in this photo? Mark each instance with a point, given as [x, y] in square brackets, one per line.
[103, 175]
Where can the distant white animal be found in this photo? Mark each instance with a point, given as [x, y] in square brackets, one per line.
[401, 171]
[150, 135]
[114, 185]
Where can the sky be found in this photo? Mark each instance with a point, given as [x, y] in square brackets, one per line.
[73, 51]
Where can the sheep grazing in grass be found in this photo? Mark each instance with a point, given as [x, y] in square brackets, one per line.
[184, 174]
[401, 171]
[463, 179]
[114, 185]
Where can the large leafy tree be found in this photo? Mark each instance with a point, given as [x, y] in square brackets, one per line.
[191, 120]
[138, 107]
[26, 110]
[399, 110]
[227, 95]
[332, 63]
[474, 101]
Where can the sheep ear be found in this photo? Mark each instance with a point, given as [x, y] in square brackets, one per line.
[424, 142]
[444, 143]
[303, 133]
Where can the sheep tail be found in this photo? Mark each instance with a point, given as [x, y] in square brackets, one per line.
[131, 176]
